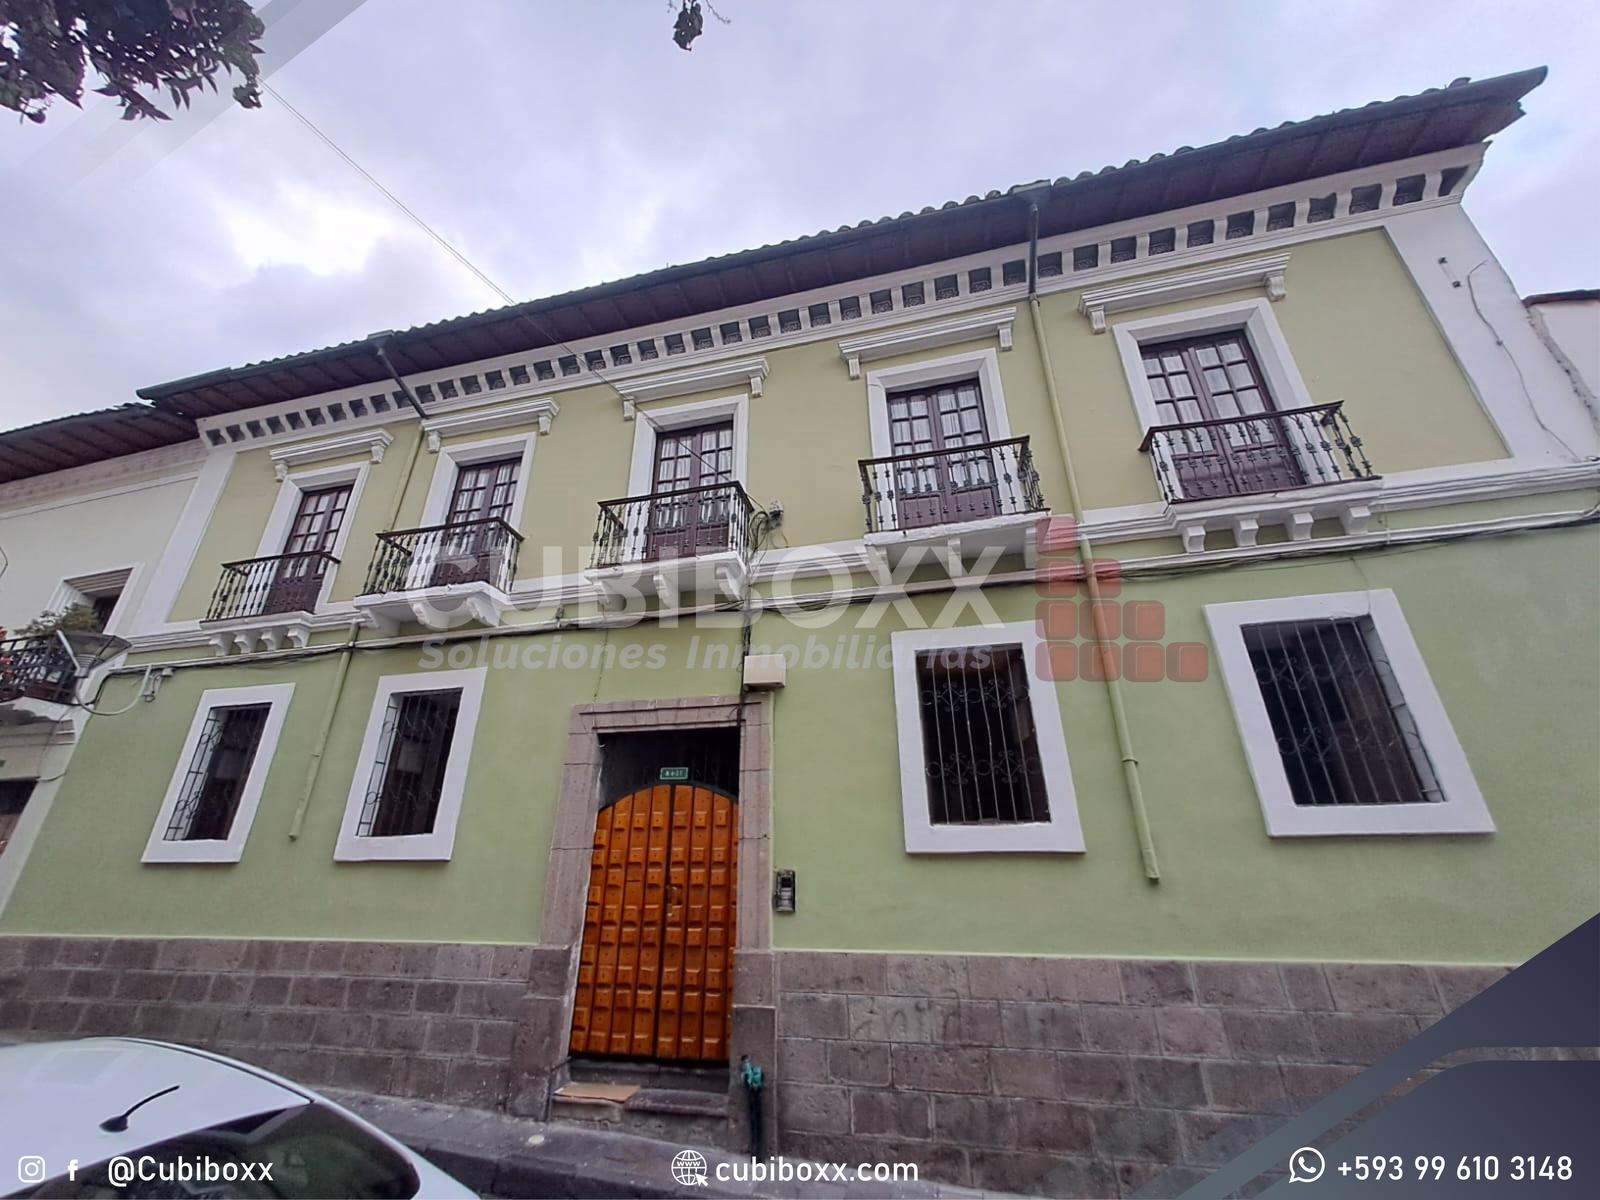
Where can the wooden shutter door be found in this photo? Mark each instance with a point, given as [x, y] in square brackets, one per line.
[655, 967]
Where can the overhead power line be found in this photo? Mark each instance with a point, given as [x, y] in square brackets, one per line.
[444, 243]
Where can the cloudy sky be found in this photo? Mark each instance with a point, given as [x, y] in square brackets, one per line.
[560, 144]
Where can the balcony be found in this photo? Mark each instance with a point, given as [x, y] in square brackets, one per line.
[672, 543]
[39, 676]
[443, 575]
[981, 501]
[267, 603]
[1287, 468]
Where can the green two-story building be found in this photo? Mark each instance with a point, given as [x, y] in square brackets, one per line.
[1044, 677]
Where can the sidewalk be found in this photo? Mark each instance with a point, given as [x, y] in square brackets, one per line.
[497, 1155]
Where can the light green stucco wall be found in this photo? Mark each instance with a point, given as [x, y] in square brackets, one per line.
[1511, 637]
[1507, 626]
[1354, 321]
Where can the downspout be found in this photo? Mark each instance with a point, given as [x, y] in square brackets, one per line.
[336, 692]
[1109, 665]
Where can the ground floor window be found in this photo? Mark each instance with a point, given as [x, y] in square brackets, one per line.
[408, 777]
[980, 746]
[219, 776]
[983, 757]
[14, 795]
[1342, 726]
[405, 796]
[1344, 731]
[217, 773]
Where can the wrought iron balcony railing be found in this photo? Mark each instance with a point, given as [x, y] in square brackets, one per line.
[37, 668]
[281, 583]
[948, 487]
[483, 551]
[670, 525]
[1265, 452]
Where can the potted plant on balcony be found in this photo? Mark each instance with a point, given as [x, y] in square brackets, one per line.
[40, 664]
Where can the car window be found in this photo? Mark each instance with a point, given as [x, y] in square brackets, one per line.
[308, 1151]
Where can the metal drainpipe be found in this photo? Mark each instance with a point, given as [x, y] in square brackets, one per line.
[1119, 715]
[314, 763]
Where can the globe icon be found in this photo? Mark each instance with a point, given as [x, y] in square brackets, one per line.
[689, 1168]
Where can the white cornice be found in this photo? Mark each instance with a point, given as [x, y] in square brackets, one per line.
[298, 454]
[1266, 272]
[541, 410]
[1431, 487]
[997, 323]
[744, 372]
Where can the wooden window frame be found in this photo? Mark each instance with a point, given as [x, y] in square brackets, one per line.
[291, 490]
[641, 469]
[1253, 318]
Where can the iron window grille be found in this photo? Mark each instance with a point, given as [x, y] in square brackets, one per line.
[408, 776]
[14, 794]
[980, 745]
[1343, 728]
[209, 796]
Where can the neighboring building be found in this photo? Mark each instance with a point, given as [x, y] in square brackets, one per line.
[87, 506]
[454, 789]
[1569, 322]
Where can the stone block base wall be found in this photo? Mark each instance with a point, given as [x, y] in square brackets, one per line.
[1074, 1077]
[1086, 1077]
[441, 1022]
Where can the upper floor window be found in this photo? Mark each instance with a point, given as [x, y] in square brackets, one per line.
[931, 484]
[294, 582]
[484, 491]
[694, 456]
[318, 519]
[1213, 386]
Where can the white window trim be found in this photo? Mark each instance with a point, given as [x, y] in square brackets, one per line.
[1062, 833]
[440, 844]
[85, 586]
[230, 849]
[436, 508]
[984, 363]
[287, 504]
[1254, 318]
[1461, 811]
[641, 469]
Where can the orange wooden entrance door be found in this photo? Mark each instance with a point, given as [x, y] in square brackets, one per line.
[655, 973]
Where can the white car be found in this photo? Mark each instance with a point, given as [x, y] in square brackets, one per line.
[123, 1117]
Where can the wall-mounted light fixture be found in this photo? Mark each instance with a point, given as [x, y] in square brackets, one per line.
[783, 892]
